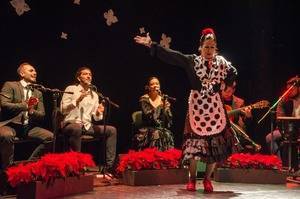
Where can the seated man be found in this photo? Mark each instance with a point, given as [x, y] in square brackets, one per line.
[240, 119]
[80, 109]
[289, 106]
[25, 105]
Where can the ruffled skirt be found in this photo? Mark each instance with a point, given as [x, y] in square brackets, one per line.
[209, 149]
[161, 138]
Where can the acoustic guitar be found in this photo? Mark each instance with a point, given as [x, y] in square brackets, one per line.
[237, 128]
[258, 105]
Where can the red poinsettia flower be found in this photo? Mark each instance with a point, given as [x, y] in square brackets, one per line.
[255, 161]
[49, 167]
[150, 158]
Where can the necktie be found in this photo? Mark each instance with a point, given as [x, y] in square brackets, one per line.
[25, 113]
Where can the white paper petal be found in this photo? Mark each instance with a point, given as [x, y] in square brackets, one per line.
[110, 18]
[77, 2]
[20, 6]
[165, 41]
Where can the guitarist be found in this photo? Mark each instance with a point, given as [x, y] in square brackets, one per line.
[26, 106]
[242, 118]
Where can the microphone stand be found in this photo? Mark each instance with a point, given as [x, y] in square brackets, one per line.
[104, 100]
[167, 113]
[164, 96]
[56, 93]
[273, 112]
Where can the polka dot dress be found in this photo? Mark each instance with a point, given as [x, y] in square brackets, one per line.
[207, 136]
[206, 111]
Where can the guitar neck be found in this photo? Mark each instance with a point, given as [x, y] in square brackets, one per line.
[235, 111]
[257, 105]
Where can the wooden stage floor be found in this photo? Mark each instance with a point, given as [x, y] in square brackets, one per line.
[113, 189]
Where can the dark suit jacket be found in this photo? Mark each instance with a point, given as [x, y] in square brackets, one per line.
[13, 102]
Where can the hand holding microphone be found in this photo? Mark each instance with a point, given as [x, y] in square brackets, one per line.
[83, 95]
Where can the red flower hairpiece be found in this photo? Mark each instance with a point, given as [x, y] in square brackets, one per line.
[206, 31]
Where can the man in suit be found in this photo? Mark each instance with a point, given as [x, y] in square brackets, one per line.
[25, 105]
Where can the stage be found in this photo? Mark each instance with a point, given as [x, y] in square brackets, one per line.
[113, 189]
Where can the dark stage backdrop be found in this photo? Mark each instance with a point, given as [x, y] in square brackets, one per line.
[259, 37]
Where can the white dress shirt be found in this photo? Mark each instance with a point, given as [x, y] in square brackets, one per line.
[27, 95]
[85, 110]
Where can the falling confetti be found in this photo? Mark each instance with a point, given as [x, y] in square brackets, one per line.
[142, 30]
[165, 41]
[110, 18]
[77, 2]
[20, 6]
[64, 35]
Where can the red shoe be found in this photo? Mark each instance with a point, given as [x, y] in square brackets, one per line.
[191, 185]
[208, 188]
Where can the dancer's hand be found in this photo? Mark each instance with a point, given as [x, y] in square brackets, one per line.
[146, 41]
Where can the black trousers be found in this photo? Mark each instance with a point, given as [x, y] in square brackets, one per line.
[75, 130]
[7, 134]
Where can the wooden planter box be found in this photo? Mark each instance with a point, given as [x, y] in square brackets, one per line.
[59, 188]
[258, 176]
[155, 177]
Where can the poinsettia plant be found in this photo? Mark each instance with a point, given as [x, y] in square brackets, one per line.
[50, 167]
[150, 158]
[255, 161]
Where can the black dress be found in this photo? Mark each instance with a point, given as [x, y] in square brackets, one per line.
[155, 130]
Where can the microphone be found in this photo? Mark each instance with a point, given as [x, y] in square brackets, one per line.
[297, 82]
[170, 98]
[93, 87]
[164, 96]
[158, 91]
[294, 80]
[103, 98]
[35, 86]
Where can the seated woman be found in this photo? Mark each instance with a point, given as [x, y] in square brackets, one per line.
[156, 119]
